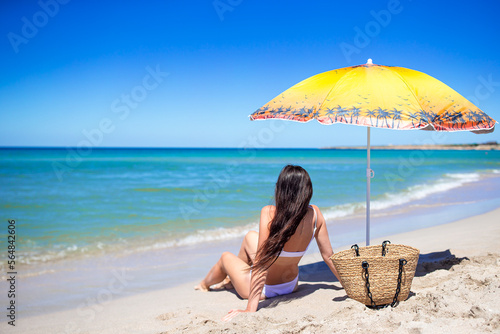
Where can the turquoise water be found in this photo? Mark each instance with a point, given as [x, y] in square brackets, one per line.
[67, 204]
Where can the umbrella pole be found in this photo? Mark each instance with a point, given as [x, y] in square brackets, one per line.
[369, 175]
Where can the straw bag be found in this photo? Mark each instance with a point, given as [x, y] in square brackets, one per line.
[377, 275]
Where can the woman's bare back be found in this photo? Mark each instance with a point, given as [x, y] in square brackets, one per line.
[285, 269]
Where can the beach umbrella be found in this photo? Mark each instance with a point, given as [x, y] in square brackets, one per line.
[378, 96]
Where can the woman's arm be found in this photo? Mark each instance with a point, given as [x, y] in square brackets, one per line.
[258, 278]
[323, 240]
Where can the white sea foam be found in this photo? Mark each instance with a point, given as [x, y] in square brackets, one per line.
[343, 210]
[42, 254]
[214, 235]
[413, 193]
[420, 191]
[202, 236]
[41, 257]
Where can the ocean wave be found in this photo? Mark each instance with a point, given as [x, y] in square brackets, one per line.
[203, 236]
[343, 210]
[417, 192]
[36, 253]
[421, 191]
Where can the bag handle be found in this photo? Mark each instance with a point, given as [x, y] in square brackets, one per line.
[366, 275]
[384, 246]
[356, 249]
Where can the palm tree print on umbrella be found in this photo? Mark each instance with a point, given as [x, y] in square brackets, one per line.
[458, 121]
[413, 116]
[341, 113]
[396, 116]
[355, 112]
[474, 117]
[382, 114]
[329, 113]
[371, 115]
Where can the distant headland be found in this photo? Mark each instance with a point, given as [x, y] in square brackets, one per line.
[493, 145]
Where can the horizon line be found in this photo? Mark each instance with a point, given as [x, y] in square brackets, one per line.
[248, 148]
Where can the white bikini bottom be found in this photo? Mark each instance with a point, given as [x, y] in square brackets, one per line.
[280, 289]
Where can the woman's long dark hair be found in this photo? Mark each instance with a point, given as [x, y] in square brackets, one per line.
[292, 195]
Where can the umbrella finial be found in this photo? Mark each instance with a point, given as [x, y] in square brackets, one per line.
[369, 62]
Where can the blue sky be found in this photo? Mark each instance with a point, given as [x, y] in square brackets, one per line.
[188, 73]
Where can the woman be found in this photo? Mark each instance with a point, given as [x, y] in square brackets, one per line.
[267, 263]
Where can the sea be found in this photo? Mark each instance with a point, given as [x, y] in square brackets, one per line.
[154, 218]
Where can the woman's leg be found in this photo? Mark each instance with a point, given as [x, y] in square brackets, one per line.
[248, 247]
[247, 253]
[232, 266]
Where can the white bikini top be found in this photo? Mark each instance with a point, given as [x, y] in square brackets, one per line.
[299, 254]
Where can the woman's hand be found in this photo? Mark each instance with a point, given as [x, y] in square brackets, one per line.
[232, 314]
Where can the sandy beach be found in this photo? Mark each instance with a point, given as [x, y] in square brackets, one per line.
[455, 290]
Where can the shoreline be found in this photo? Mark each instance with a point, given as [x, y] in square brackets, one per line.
[467, 243]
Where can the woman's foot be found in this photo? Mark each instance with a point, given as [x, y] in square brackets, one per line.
[202, 287]
[225, 284]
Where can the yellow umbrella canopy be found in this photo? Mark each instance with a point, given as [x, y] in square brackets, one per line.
[378, 96]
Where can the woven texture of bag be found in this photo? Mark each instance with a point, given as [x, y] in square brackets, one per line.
[383, 272]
